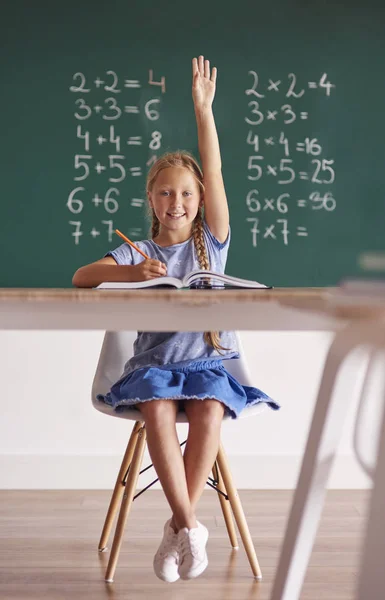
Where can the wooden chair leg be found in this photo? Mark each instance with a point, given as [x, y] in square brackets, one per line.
[119, 488]
[238, 512]
[132, 480]
[226, 508]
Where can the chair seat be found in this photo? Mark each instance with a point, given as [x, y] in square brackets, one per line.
[117, 348]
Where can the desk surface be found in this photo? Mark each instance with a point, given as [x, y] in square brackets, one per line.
[182, 310]
[167, 294]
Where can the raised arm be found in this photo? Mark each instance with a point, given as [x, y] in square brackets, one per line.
[215, 201]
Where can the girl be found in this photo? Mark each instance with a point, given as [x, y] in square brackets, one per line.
[174, 370]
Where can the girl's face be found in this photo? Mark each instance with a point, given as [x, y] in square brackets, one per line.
[175, 198]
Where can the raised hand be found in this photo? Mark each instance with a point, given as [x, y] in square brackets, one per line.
[203, 84]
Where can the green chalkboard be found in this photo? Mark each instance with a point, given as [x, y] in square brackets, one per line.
[92, 91]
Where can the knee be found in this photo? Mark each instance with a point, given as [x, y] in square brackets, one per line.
[207, 414]
[158, 411]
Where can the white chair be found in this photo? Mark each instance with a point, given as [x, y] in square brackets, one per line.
[116, 350]
[322, 443]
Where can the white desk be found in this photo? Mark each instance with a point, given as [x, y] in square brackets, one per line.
[285, 309]
[281, 309]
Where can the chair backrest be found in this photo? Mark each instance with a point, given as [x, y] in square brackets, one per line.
[117, 348]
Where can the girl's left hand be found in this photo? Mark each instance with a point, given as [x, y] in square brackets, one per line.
[203, 85]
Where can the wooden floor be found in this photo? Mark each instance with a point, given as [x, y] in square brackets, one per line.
[48, 547]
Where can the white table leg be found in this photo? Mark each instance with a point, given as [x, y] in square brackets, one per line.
[323, 439]
[371, 584]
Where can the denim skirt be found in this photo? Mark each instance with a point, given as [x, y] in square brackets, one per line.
[198, 380]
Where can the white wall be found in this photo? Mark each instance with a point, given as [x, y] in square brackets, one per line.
[52, 437]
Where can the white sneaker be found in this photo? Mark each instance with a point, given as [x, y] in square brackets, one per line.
[192, 551]
[166, 558]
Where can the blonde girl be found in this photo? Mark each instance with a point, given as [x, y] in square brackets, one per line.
[171, 371]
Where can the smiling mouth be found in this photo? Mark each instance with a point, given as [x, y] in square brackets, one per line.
[176, 216]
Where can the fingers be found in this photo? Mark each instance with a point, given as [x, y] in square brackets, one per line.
[201, 63]
[195, 66]
[207, 69]
[158, 268]
[202, 67]
[150, 268]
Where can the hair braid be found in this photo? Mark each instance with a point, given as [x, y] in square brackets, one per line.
[212, 338]
[154, 225]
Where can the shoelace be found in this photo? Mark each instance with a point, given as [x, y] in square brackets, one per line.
[170, 545]
[189, 544]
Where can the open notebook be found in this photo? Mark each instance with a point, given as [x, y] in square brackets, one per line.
[196, 279]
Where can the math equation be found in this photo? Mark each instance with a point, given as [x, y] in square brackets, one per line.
[107, 152]
[268, 215]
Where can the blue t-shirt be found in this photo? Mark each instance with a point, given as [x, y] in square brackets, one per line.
[177, 347]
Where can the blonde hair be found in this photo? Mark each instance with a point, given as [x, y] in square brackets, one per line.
[187, 161]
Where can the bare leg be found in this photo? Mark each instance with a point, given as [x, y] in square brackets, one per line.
[205, 420]
[166, 455]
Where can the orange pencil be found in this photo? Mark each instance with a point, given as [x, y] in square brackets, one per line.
[131, 243]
